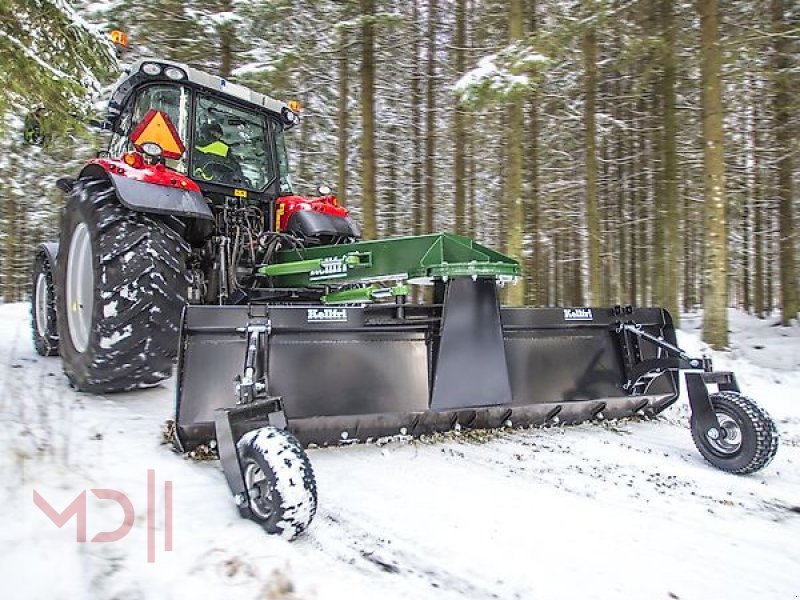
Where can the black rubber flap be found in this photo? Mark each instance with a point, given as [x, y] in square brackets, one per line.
[160, 199]
[471, 368]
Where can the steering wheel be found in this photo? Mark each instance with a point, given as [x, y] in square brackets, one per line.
[214, 169]
[223, 171]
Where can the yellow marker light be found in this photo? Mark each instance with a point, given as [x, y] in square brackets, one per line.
[278, 215]
[294, 106]
[240, 193]
[120, 38]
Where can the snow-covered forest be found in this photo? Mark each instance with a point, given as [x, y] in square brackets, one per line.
[635, 152]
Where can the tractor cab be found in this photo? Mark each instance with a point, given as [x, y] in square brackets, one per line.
[226, 138]
[218, 138]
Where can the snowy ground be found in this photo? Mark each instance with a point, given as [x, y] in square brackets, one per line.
[615, 510]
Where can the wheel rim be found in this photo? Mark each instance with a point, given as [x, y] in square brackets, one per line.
[260, 491]
[41, 305]
[731, 442]
[80, 287]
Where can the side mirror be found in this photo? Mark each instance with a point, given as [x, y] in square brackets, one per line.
[34, 129]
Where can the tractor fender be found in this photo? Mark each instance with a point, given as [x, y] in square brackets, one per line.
[50, 250]
[142, 196]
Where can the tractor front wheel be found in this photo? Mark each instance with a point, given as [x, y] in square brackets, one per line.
[279, 480]
[748, 439]
[121, 284]
[43, 307]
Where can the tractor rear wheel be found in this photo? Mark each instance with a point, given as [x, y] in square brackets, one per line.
[43, 307]
[121, 284]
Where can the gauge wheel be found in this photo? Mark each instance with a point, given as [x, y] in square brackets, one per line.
[279, 481]
[748, 438]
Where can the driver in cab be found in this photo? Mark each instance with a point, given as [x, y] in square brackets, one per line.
[214, 151]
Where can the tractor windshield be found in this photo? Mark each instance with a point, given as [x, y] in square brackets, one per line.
[231, 145]
[283, 161]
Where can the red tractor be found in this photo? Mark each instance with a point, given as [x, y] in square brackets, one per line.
[192, 194]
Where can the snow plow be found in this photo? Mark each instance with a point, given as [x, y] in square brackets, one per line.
[185, 240]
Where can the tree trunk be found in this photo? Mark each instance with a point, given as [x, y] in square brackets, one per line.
[515, 213]
[391, 182]
[10, 251]
[758, 223]
[622, 114]
[671, 247]
[11, 237]
[748, 207]
[430, 121]
[227, 37]
[416, 104]
[303, 154]
[589, 120]
[715, 296]
[640, 232]
[658, 205]
[782, 109]
[368, 120]
[576, 264]
[459, 132]
[770, 258]
[472, 227]
[343, 142]
[535, 271]
[688, 246]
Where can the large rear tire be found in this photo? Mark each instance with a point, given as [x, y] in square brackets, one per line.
[750, 438]
[43, 307]
[121, 285]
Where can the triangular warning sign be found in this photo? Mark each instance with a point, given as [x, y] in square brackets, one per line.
[156, 127]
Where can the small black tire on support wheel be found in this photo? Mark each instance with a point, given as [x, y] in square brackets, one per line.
[279, 480]
[43, 307]
[121, 286]
[750, 438]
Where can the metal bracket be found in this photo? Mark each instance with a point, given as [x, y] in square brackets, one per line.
[229, 457]
[700, 404]
[471, 367]
[230, 424]
[724, 380]
[253, 382]
[635, 367]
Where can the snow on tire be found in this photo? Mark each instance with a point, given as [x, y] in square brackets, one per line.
[279, 480]
[751, 438]
[121, 284]
[43, 307]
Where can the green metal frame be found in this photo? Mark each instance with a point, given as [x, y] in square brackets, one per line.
[417, 259]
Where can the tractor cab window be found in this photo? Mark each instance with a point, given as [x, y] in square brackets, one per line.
[231, 145]
[120, 142]
[173, 101]
[283, 160]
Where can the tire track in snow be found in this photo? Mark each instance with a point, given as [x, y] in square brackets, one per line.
[349, 540]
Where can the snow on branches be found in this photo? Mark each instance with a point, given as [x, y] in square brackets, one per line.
[52, 59]
[512, 71]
